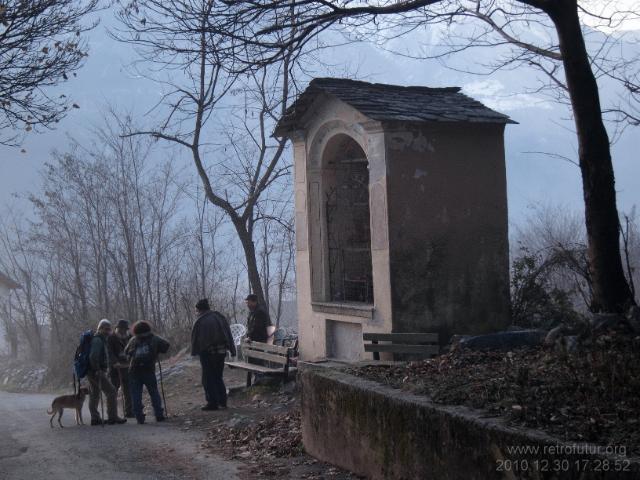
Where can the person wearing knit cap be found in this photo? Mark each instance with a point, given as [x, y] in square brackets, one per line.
[143, 350]
[210, 340]
[98, 379]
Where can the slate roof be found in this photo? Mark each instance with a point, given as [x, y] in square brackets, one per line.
[395, 103]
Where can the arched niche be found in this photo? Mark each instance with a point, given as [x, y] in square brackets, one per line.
[340, 220]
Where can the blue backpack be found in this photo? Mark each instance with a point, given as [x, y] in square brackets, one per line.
[81, 358]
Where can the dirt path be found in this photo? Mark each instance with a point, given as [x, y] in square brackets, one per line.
[30, 449]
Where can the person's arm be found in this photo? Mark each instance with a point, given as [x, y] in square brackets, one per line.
[264, 323]
[163, 345]
[194, 338]
[128, 350]
[250, 324]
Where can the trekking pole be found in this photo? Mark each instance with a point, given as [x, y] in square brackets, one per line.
[75, 391]
[166, 412]
[101, 402]
[121, 391]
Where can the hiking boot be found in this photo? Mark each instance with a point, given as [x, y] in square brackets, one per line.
[96, 421]
[161, 418]
[209, 408]
[117, 420]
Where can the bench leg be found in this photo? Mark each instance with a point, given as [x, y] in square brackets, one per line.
[286, 369]
[376, 355]
[248, 379]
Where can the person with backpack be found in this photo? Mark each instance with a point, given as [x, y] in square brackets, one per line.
[143, 350]
[98, 378]
[119, 364]
[210, 340]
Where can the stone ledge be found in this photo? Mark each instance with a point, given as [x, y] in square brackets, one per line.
[384, 433]
[350, 309]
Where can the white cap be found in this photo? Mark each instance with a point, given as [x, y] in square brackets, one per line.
[104, 323]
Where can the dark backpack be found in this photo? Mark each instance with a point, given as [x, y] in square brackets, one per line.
[81, 357]
[142, 357]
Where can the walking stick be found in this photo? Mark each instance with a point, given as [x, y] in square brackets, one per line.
[101, 402]
[166, 412]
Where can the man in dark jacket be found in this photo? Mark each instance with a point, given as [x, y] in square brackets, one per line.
[98, 379]
[143, 350]
[210, 340]
[119, 373]
[258, 320]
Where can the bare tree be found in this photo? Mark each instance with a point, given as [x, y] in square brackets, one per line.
[9, 326]
[259, 25]
[178, 36]
[20, 263]
[41, 45]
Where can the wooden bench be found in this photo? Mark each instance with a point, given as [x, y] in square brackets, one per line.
[423, 344]
[273, 354]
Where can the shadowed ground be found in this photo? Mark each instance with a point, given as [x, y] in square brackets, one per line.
[30, 449]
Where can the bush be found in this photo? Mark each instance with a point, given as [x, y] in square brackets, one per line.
[536, 301]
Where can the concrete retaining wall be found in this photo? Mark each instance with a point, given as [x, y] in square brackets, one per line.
[385, 433]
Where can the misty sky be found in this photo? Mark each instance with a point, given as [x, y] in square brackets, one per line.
[532, 178]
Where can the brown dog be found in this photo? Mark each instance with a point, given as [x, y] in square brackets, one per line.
[68, 401]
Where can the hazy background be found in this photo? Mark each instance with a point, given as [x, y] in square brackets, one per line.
[543, 125]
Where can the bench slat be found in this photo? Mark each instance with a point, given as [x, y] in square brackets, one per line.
[253, 368]
[387, 347]
[265, 347]
[402, 337]
[265, 356]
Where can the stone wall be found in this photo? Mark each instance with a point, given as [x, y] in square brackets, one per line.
[383, 433]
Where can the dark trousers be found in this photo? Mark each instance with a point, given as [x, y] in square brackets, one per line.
[99, 381]
[215, 390]
[118, 374]
[148, 379]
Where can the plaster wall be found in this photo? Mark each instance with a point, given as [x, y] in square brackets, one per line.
[448, 237]
[332, 117]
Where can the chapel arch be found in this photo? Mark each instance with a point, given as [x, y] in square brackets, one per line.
[345, 222]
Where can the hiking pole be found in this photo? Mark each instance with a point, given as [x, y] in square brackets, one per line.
[101, 402]
[166, 412]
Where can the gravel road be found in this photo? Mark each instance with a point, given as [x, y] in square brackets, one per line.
[31, 450]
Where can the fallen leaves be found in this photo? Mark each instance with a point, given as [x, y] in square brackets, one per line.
[277, 436]
[592, 395]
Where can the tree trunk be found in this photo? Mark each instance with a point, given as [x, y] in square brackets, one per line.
[250, 257]
[611, 291]
[13, 347]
